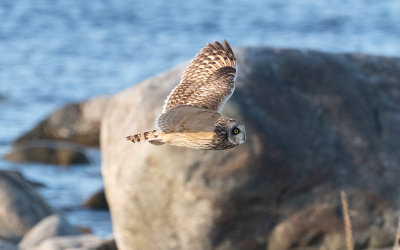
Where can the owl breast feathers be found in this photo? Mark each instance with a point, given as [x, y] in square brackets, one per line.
[191, 116]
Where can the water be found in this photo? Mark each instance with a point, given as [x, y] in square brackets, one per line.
[56, 52]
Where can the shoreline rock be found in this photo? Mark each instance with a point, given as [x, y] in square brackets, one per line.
[52, 226]
[76, 122]
[84, 242]
[48, 152]
[97, 201]
[21, 207]
[316, 123]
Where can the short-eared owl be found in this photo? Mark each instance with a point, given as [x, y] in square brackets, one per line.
[191, 116]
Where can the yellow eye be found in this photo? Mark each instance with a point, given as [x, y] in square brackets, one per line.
[236, 131]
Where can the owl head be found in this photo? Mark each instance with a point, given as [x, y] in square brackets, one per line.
[229, 133]
[236, 132]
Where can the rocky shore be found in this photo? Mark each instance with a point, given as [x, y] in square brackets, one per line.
[317, 123]
[28, 222]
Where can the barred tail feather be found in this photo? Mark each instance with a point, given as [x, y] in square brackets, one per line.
[150, 136]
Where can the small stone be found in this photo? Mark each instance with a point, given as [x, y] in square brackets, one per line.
[97, 201]
[51, 226]
[86, 241]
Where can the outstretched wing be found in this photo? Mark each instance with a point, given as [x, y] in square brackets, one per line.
[187, 119]
[208, 81]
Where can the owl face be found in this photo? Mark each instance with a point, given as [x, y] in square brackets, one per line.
[229, 133]
[236, 133]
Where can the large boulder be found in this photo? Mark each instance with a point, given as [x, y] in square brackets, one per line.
[51, 226]
[21, 207]
[316, 123]
[76, 122]
[48, 152]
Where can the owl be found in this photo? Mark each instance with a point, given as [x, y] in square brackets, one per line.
[191, 116]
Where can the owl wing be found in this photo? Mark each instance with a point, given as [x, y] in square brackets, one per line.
[187, 118]
[208, 81]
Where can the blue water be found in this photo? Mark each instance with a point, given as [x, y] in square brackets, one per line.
[56, 52]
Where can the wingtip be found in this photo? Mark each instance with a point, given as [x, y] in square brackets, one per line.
[216, 43]
[227, 46]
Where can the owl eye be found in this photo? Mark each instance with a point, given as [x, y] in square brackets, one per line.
[235, 131]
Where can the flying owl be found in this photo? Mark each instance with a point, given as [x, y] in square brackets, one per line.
[191, 116]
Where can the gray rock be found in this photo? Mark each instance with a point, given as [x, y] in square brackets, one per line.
[19, 175]
[316, 123]
[4, 245]
[97, 201]
[48, 152]
[21, 207]
[81, 242]
[51, 226]
[77, 123]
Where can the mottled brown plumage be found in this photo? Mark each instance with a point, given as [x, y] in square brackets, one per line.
[191, 116]
[148, 135]
[208, 80]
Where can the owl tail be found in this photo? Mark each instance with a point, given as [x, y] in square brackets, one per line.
[150, 136]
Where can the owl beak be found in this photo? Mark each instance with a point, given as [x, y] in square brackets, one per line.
[242, 138]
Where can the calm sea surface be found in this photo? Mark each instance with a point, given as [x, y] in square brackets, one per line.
[56, 52]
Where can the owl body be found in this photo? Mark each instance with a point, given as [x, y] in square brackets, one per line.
[191, 116]
[198, 140]
[223, 136]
